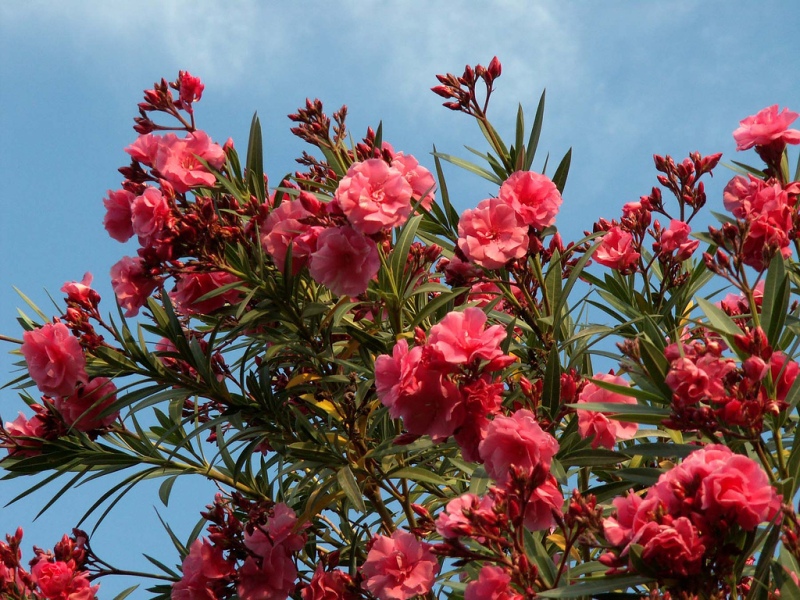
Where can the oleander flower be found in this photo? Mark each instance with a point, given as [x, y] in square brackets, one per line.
[616, 250]
[490, 235]
[517, 441]
[604, 432]
[132, 285]
[493, 583]
[399, 567]
[55, 359]
[118, 219]
[534, 197]
[374, 196]
[766, 126]
[345, 261]
[84, 407]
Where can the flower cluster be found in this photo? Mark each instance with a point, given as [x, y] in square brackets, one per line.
[394, 399]
[680, 528]
[56, 575]
[712, 392]
[446, 386]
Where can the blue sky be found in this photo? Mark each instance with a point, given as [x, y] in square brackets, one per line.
[624, 80]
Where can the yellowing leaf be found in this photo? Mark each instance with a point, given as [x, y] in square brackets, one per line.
[302, 378]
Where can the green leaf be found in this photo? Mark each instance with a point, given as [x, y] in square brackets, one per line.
[126, 592]
[349, 485]
[591, 586]
[775, 304]
[471, 167]
[165, 489]
[536, 131]
[562, 171]
[255, 161]
[419, 474]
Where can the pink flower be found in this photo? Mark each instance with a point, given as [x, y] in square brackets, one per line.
[272, 577]
[460, 338]
[421, 180]
[193, 286]
[534, 197]
[20, 428]
[399, 567]
[737, 491]
[493, 583]
[345, 261]
[177, 160]
[765, 127]
[191, 89]
[605, 431]
[284, 228]
[490, 235]
[118, 215]
[616, 250]
[675, 549]
[83, 408]
[59, 581]
[454, 522]
[374, 196]
[203, 566]
[132, 286]
[329, 585]
[55, 359]
[516, 441]
[149, 212]
[677, 238]
[544, 503]
[271, 573]
[82, 293]
[145, 149]
[415, 391]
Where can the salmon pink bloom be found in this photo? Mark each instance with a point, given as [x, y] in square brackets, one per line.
[604, 431]
[516, 441]
[345, 261]
[83, 409]
[765, 127]
[329, 585]
[12, 438]
[118, 219]
[493, 583]
[399, 567]
[82, 293]
[374, 196]
[145, 149]
[460, 338]
[490, 235]
[177, 160]
[203, 566]
[132, 286]
[534, 197]
[676, 237]
[283, 228]
[58, 580]
[421, 180]
[149, 212]
[544, 503]
[427, 401]
[616, 250]
[192, 287]
[676, 549]
[55, 359]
